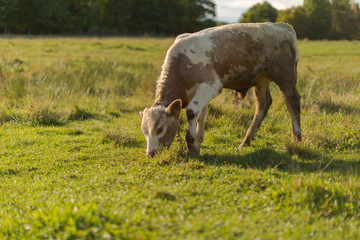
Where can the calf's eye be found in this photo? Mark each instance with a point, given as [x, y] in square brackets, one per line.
[159, 130]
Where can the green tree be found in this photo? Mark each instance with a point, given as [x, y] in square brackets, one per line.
[344, 21]
[170, 17]
[260, 12]
[106, 16]
[196, 15]
[7, 15]
[17, 16]
[319, 15]
[297, 17]
[356, 9]
[286, 15]
[51, 16]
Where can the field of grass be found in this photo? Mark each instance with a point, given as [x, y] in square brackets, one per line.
[73, 164]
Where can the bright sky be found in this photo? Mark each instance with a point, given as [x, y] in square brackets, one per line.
[231, 10]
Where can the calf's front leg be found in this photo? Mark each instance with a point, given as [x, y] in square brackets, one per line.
[196, 112]
[201, 124]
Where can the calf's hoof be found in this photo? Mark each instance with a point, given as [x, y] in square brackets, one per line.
[194, 151]
[244, 144]
[296, 137]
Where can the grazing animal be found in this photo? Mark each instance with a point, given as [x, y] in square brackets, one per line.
[198, 66]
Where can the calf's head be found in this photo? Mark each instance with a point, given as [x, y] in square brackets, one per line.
[159, 125]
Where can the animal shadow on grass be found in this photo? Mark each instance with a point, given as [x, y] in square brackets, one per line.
[265, 158]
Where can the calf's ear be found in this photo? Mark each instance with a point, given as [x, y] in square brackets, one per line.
[174, 109]
[142, 113]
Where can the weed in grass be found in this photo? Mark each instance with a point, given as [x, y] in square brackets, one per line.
[164, 195]
[46, 117]
[75, 132]
[80, 114]
[171, 156]
[8, 115]
[119, 138]
[8, 172]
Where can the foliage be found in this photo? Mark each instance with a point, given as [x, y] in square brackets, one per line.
[344, 20]
[298, 18]
[260, 12]
[105, 16]
[315, 19]
[73, 164]
[319, 14]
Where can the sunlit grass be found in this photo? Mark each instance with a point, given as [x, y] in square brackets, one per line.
[73, 164]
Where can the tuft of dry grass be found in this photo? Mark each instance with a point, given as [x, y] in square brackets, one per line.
[119, 138]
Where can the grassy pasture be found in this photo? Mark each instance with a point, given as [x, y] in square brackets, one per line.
[73, 164]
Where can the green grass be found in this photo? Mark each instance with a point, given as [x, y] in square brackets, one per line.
[73, 164]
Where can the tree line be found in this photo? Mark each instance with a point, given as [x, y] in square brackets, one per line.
[315, 19]
[124, 17]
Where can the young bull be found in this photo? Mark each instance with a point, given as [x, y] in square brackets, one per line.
[198, 66]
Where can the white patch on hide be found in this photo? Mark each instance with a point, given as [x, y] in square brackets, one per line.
[204, 93]
[195, 48]
[152, 144]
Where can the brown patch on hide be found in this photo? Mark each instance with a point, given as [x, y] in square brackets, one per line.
[190, 114]
[181, 75]
[236, 58]
[168, 138]
[157, 123]
[281, 65]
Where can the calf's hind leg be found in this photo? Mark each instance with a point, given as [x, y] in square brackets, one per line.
[292, 100]
[285, 76]
[263, 102]
[286, 80]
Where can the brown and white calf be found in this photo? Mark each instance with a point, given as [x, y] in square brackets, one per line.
[198, 66]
